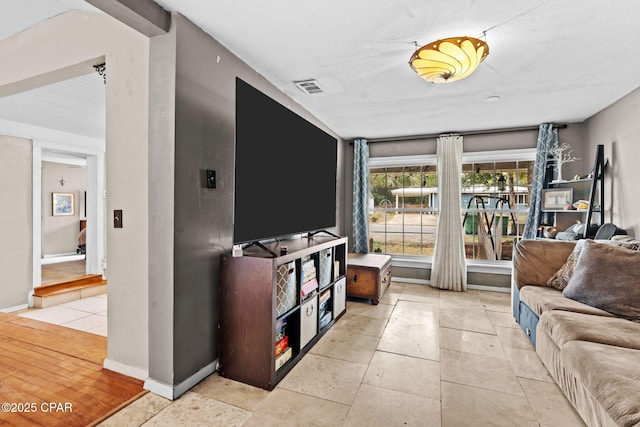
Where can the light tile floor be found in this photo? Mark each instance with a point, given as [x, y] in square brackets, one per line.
[422, 357]
[86, 314]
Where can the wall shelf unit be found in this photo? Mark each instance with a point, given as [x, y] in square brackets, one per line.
[274, 309]
[590, 190]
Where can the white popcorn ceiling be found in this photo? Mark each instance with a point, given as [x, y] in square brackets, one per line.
[550, 60]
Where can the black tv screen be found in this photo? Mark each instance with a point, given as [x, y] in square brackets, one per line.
[285, 170]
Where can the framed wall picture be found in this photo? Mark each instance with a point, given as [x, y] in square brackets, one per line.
[63, 204]
[556, 198]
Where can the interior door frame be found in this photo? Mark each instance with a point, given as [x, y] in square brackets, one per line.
[52, 141]
[42, 148]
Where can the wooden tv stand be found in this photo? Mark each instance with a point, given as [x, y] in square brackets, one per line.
[261, 292]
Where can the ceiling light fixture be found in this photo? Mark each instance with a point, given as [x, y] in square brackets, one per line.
[448, 60]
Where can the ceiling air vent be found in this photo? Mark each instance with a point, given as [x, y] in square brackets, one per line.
[310, 86]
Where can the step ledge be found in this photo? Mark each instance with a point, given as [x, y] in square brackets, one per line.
[69, 285]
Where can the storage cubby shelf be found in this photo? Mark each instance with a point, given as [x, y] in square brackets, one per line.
[288, 313]
[257, 286]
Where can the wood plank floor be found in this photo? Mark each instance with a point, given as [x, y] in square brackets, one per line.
[43, 364]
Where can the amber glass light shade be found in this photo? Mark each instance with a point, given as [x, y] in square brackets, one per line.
[450, 59]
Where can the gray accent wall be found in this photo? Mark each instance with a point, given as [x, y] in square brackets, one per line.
[184, 286]
[618, 128]
[205, 117]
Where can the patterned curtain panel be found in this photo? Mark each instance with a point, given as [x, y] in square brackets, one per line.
[449, 268]
[547, 139]
[360, 224]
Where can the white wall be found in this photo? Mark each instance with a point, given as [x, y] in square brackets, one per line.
[66, 46]
[15, 221]
[60, 233]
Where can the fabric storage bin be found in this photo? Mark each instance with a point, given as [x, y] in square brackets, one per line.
[325, 261]
[286, 295]
[339, 296]
[308, 320]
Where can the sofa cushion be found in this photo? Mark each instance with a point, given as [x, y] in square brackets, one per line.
[611, 375]
[566, 326]
[541, 299]
[607, 277]
[535, 261]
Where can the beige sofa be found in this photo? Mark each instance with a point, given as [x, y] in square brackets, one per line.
[579, 304]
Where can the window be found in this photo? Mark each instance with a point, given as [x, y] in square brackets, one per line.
[402, 219]
[403, 213]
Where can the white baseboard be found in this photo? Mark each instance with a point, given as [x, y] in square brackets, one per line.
[161, 389]
[173, 392]
[473, 266]
[14, 308]
[55, 259]
[409, 280]
[469, 286]
[127, 370]
[489, 288]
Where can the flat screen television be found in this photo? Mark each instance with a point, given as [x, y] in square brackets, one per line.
[285, 170]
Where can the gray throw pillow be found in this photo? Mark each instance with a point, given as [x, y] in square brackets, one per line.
[607, 277]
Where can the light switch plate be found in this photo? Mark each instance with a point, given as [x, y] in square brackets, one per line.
[117, 218]
[211, 178]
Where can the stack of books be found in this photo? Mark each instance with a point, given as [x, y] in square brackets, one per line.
[282, 345]
[324, 310]
[309, 280]
[283, 351]
[283, 358]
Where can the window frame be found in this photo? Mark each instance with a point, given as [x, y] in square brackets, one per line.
[494, 156]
